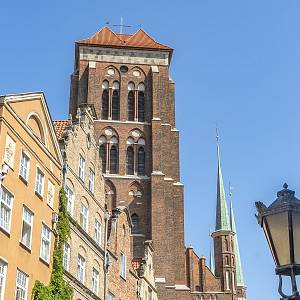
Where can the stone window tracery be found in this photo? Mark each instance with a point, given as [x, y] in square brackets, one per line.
[135, 154]
[109, 151]
[110, 101]
[136, 102]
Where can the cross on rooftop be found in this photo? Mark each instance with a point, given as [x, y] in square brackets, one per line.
[121, 25]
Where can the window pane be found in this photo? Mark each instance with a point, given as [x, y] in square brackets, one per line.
[130, 161]
[105, 105]
[3, 267]
[103, 157]
[113, 160]
[141, 161]
[5, 209]
[116, 105]
[141, 107]
[131, 106]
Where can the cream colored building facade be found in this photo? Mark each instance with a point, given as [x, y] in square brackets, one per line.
[30, 183]
[84, 186]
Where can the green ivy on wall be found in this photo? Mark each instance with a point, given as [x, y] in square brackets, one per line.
[58, 289]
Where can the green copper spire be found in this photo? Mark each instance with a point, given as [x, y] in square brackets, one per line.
[238, 264]
[222, 220]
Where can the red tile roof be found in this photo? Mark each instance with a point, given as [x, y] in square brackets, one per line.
[59, 127]
[106, 37]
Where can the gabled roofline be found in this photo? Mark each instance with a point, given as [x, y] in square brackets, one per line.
[28, 96]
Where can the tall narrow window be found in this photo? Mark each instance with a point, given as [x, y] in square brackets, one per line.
[3, 268]
[70, 200]
[123, 266]
[81, 167]
[233, 281]
[45, 243]
[130, 161]
[24, 168]
[115, 105]
[92, 181]
[80, 268]
[227, 280]
[131, 106]
[98, 232]
[84, 214]
[95, 281]
[26, 227]
[141, 106]
[135, 223]
[113, 160]
[141, 161]
[141, 102]
[66, 256]
[39, 183]
[105, 101]
[6, 203]
[111, 296]
[102, 151]
[21, 285]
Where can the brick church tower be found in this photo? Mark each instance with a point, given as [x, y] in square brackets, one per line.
[125, 79]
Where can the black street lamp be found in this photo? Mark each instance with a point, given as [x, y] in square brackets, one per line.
[281, 224]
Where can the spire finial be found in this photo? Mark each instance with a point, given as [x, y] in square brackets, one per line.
[121, 25]
[222, 221]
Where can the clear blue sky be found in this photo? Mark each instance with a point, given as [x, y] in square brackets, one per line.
[235, 62]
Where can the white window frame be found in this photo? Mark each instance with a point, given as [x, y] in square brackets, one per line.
[6, 206]
[111, 296]
[47, 240]
[81, 263]
[29, 223]
[92, 181]
[19, 285]
[66, 256]
[26, 166]
[98, 232]
[70, 208]
[84, 217]
[39, 183]
[81, 167]
[3, 272]
[123, 265]
[95, 281]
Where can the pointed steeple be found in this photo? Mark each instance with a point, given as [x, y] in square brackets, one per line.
[222, 220]
[238, 263]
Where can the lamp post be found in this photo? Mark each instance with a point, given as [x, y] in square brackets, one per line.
[281, 225]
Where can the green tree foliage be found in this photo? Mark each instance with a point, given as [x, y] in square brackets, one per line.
[58, 289]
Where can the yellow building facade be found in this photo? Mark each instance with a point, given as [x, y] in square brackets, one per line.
[30, 180]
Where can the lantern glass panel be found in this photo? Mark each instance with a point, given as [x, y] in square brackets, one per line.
[279, 231]
[296, 233]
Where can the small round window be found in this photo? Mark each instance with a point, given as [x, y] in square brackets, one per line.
[124, 69]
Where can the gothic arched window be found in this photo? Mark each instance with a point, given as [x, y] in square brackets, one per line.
[135, 223]
[114, 159]
[103, 157]
[141, 102]
[130, 161]
[105, 100]
[141, 161]
[115, 115]
[131, 106]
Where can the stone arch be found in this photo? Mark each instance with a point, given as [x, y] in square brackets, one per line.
[110, 195]
[35, 123]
